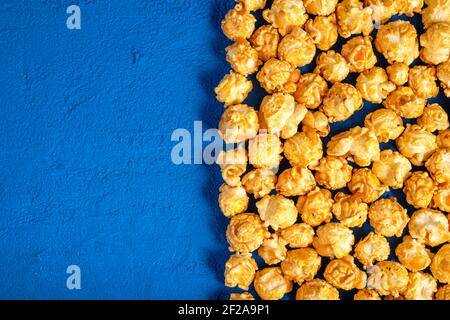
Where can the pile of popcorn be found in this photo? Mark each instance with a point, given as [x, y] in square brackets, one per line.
[310, 211]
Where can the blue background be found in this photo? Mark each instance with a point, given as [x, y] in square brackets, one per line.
[86, 178]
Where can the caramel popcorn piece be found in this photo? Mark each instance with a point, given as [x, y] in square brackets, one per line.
[285, 15]
[316, 121]
[441, 198]
[416, 144]
[382, 10]
[365, 185]
[443, 293]
[341, 102]
[323, 31]
[332, 66]
[317, 289]
[278, 76]
[296, 181]
[240, 270]
[374, 85]
[433, 118]
[311, 89]
[436, 11]
[238, 24]
[385, 123]
[299, 235]
[413, 254]
[409, 7]
[435, 43]
[421, 286]
[233, 163]
[353, 18]
[301, 265]
[422, 79]
[233, 89]
[333, 172]
[297, 48]
[238, 123]
[438, 165]
[264, 151]
[242, 57]
[273, 250]
[259, 182]
[277, 211]
[388, 278]
[359, 54]
[344, 274]
[443, 74]
[320, 7]
[291, 126]
[392, 169]
[265, 41]
[440, 266]
[350, 210]
[388, 217]
[246, 232]
[315, 207]
[443, 139]
[374, 247]
[333, 240]
[419, 189]
[429, 226]
[398, 73]
[241, 296]
[366, 294]
[252, 5]
[271, 284]
[405, 103]
[304, 148]
[275, 111]
[232, 200]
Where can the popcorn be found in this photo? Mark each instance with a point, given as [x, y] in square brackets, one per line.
[443, 74]
[421, 286]
[273, 250]
[278, 76]
[238, 24]
[419, 189]
[317, 289]
[416, 144]
[429, 226]
[443, 139]
[435, 43]
[359, 54]
[392, 169]
[440, 266]
[297, 48]
[357, 144]
[323, 31]
[233, 89]
[366, 294]
[398, 73]
[233, 163]
[311, 89]
[271, 284]
[398, 42]
[259, 182]
[265, 41]
[443, 293]
[264, 151]
[353, 18]
[316, 121]
[291, 126]
[382, 10]
[439, 165]
[385, 123]
[365, 185]
[333, 240]
[413, 254]
[285, 15]
[333, 172]
[253, 5]
[301, 265]
[441, 198]
[275, 111]
[304, 148]
[374, 85]
[238, 123]
[277, 211]
[241, 296]
[243, 58]
[320, 7]
[296, 181]
[299, 235]
[436, 11]
[341, 102]
[422, 79]
[350, 210]
[373, 247]
[405, 103]
[409, 7]
[240, 270]
[332, 66]
[315, 207]
[433, 118]
[246, 232]
[388, 217]
[344, 274]
[388, 278]
[232, 200]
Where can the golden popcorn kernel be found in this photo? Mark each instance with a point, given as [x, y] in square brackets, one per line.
[435, 43]
[252, 5]
[317, 289]
[422, 79]
[436, 11]
[277, 211]
[416, 144]
[388, 217]
[315, 207]
[443, 74]
[233, 89]
[301, 265]
[359, 54]
[429, 226]
[443, 139]
[333, 172]
[392, 169]
[233, 163]
[419, 189]
[344, 274]
[443, 293]
[350, 210]
[320, 7]
[388, 278]
[264, 151]
[296, 181]
[276, 110]
[242, 57]
[246, 232]
[259, 182]
[421, 286]
[311, 89]
[374, 247]
[238, 24]
[433, 118]
[441, 198]
[238, 123]
[323, 31]
[382, 10]
[374, 85]
[440, 265]
[297, 48]
[278, 76]
[265, 40]
[333, 240]
[353, 18]
[341, 102]
[409, 7]
[413, 254]
[366, 294]
[273, 250]
[285, 15]
[271, 284]
[398, 73]
[398, 42]
[332, 66]
[241, 296]
[232, 200]
[438, 165]
[365, 185]
[291, 126]
[405, 103]
[299, 235]
[385, 123]
[304, 148]
[316, 121]
[240, 270]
